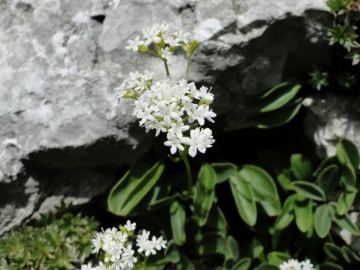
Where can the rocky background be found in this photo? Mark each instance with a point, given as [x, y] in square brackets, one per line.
[63, 133]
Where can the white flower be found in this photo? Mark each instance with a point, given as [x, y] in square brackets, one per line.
[134, 44]
[130, 226]
[96, 243]
[306, 265]
[174, 142]
[201, 112]
[160, 243]
[204, 95]
[165, 53]
[290, 265]
[86, 267]
[167, 105]
[196, 141]
[178, 128]
[128, 258]
[151, 35]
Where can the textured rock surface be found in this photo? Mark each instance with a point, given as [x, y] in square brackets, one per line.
[331, 117]
[62, 133]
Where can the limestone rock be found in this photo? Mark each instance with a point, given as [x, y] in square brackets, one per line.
[329, 118]
[62, 132]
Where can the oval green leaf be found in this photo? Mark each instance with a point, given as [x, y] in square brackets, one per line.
[345, 202]
[309, 190]
[344, 221]
[303, 213]
[277, 117]
[322, 220]
[328, 179]
[348, 153]
[330, 266]
[172, 252]
[223, 171]
[217, 220]
[262, 184]
[276, 97]
[204, 193]
[277, 258]
[134, 186]
[287, 213]
[244, 199]
[243, 264]
[177, 220]
[301, 167]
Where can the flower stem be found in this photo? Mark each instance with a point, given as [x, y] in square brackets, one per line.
[188, 172]
[166, 67]
[187, 67]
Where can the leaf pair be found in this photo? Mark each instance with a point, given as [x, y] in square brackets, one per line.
[276, 107]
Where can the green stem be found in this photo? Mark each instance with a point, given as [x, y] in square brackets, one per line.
[187, 66]
[153, 53]
[188, 171]
[166, 67]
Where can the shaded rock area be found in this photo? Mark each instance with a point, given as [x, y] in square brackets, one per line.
[62, 132]
[329, 118]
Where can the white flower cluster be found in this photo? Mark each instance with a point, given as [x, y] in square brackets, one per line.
[165, 35]
[167, 106]
[119, 254]
[296, 265]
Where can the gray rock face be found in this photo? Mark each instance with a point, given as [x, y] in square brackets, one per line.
[329, 118]
[62, 132]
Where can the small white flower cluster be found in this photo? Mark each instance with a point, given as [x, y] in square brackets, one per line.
[119, 254]
[165, 35]
[296, 265]
[167, 105]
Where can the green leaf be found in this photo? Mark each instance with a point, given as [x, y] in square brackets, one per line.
[277, 117]
[309, 190]
[216, 219]
[276, 97]
[272, 209]
[244, 199]
[284, 180]
[287, 213]
[277, 258]
[303, 213]
[185, 264]
[345, 202]
[172, 252]
[344, 221]
[233, 248]
[349, 255]
[177, 219]
[330, 266]
[322, 220]
[301, 167]
[348, 153]
[134, 186]
[243, 264]
[325, 163]
[347, 177]
[223, 171]
[328, 179]
[333, 251]
[204, 193]
[211, 243]
[262, 184]
[256, 249]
